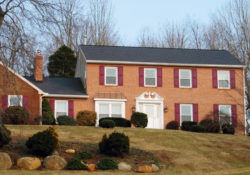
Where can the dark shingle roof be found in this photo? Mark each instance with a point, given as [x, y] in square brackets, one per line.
[159, 55]
[59, 85]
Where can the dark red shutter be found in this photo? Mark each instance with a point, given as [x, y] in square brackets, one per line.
[177, 112]
[214, 77]
[216, 112]
[52, 105]
[71, 108]
[4, 102]
[194, 78]
[232, 79]
[141, 76]
[195, 112]
[101, 75]
[176, 77]
[25, 102]
[159, 77]
[234, 115]
[120, 76]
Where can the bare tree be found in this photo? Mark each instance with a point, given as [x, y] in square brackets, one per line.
[148, 39]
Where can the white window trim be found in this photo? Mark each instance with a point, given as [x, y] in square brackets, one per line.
[190, 78]
[192, 117]
[116, 81]
[97, 107]
[145, 69]
[229, 111]
[229, 83]
[67, 111]
[18, 96]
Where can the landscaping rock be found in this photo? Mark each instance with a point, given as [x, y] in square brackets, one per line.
[155, 168]
[5, 161]
[122, 166]
[91, 167]
[144, 169]
[71, 151]
[54, 162]
[29, 163]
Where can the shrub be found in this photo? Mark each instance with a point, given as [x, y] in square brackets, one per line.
[228, 129]
[115, 145]
[107, 164]
[16, 115]
[66, 120]
[38, 119]
[107, 123]
[197, 128]
[119, 122]
[4, 135]
[186, 125]
[139, 119]
[47, 114]
[76, 164]
[42, 143]
[83, 155]
[212, 126]
[86, 118]
[54, 133]
[173, 125]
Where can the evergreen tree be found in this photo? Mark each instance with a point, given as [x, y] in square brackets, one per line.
[47, 114]
[62, 63]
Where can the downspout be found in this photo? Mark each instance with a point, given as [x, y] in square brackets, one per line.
[244, 95]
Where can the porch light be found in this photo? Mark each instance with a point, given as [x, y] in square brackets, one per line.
[133, 108]
[165, 109]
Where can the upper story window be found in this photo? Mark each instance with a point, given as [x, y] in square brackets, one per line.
[186, 112]
[61, 108]
[224, 79]
[150, 77]
[225, 114]
[15, 100]
[111, 76]
[185, 78]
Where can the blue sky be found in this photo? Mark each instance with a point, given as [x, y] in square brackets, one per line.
[131, 16]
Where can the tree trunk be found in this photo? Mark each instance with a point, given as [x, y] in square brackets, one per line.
[1, 16]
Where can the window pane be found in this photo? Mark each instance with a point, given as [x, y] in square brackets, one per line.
[150, 73]
[103, 116]
[186, 110]
[185, 74]
[150, 81]
[60, 113]
[225, 110]
[224, 83]
[110, 80]
[223, 75]
[185, 118]
[15, 100]
[61, 106]
[111, 72]
[104, 109]
[185, 82]
[116, 109]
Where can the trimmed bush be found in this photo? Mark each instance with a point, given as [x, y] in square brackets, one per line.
[42, 143]
[66, 120]
[228, 129]
[186, 125]
[38, 119]
[16, 115]
[107, 164]
[86, 118]
[197, 128]
[119, 122]
[76, 164]
[115, 145]
[4, 135]
[83, 155]
[212, 126]
[139, 119]
[173, 125]
[107, 123]
[54, 133]
[47, 114]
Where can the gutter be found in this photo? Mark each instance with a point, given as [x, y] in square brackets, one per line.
[65, 96]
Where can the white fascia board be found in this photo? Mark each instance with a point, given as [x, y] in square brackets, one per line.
[164, 64]
[24, 79]
[109, 99]
[66, 96]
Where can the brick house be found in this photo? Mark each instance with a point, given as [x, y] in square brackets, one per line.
[167, 84]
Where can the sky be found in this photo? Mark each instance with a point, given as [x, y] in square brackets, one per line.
[132, 16]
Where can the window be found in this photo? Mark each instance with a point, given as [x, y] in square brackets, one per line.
[111, 76]
[185, 78]
[225, 114]
[15, 100]
[223, 79]
[61, 108]
[110, 110]
[103, 111]
[150, 77]
[186, 111]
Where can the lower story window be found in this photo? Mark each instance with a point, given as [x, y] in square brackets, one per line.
[61, 108]
[225, 115]
[15, 100]
[186, 112]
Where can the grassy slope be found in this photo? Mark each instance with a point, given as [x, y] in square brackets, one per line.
[180, 152]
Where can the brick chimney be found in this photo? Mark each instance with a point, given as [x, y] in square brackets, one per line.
[39, 66]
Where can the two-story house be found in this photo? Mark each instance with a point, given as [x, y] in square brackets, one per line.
[166, 84]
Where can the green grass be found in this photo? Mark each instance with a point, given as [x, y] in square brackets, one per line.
[178, 152]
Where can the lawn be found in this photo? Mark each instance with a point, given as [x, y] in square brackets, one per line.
[179, 152]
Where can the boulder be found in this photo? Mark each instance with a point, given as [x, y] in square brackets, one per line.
[54, 162]
[5, 161]
[29, 163]
[144, 169]
[122, 166]
[155, 168]
[91, 167]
